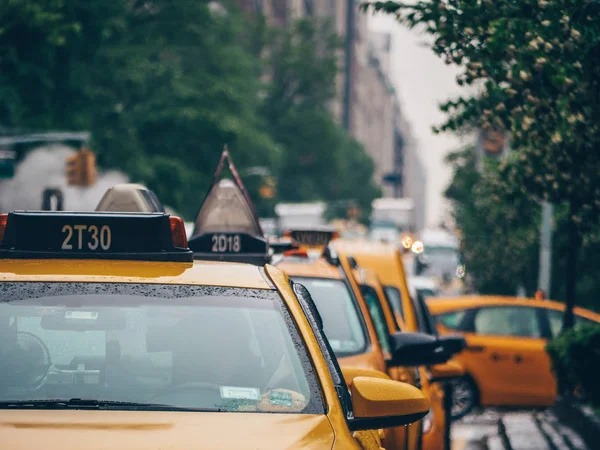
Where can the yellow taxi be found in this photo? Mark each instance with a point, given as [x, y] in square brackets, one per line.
[347, 318]
[505, 360]
[111, 336]
[386, 260]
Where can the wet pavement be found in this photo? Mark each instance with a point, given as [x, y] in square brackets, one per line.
[523, 430]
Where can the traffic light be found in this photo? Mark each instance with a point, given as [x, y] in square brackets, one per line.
[88, 165]
[81, 168]
[268, 188]
[74, 170]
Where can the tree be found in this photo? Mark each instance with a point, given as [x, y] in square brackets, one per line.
[162, 85]
[499, 232]
[536, 63]
[500, 235]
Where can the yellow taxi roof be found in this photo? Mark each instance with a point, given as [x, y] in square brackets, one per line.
[313, 268]
[438, 305]
[367, 276]
[385, 259]
[210, 273]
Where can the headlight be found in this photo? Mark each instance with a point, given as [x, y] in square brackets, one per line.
[428, 422]
[417, 247]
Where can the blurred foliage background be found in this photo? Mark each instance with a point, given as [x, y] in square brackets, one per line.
[164, 85]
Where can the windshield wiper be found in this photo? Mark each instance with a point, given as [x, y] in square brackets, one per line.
[79, 403]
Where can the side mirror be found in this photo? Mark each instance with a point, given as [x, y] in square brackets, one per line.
[446, 371]
[350, 373]
[416, 349]
[453, 344]
[380, 403]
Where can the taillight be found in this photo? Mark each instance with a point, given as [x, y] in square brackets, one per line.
[178, 234]
[3, 221]
[296, 252]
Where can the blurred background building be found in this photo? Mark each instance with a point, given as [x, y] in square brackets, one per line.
[367, 104]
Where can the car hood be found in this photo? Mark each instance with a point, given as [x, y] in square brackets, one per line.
[126, 430]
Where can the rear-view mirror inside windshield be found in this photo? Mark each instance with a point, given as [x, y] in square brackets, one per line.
[88, 320]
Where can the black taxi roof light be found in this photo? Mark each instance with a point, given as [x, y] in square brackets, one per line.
[94, 235]
[312, 236]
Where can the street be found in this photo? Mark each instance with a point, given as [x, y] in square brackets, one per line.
[523, 430]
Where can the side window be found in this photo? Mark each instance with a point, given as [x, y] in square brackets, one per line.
[579, 320]
[452, 320]
[428, 320]
[377, 315]
[555, 318]
[395, 299]
[507, 321]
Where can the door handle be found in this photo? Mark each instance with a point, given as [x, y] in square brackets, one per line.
[475, 348]
[518, 359]
[497, 357]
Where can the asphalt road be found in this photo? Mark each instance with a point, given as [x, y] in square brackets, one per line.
[523, 430]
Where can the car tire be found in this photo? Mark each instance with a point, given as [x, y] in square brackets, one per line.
[465, 397]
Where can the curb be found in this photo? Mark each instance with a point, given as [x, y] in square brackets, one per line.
[503, 435]
[558, 435]
[550, 434]
[575, 416]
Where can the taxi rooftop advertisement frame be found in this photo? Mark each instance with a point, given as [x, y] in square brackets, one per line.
[91, 235]
[312, 237]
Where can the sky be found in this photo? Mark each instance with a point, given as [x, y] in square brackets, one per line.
[422, 82]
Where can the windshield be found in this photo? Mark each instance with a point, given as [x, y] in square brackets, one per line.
[203, 348]
[341, 318]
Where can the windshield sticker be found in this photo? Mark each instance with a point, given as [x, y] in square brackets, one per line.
[240, 393]
[280, 398]
[81, 315]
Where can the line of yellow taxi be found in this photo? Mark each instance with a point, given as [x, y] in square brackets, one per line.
[116, 331]
[386, 261]
[114, 336]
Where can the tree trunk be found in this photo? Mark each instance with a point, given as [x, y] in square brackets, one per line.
[574, 245]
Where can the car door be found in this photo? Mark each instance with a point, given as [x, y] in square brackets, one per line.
[506, 356]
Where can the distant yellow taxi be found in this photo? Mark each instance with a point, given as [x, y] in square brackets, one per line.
[385, 325]
[111, 336]
[386, 261]
[505, 361]
[349, 321]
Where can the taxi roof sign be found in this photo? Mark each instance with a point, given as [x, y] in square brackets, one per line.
[319, 236]
[130, 197]
[226, 227]
[93, 235]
